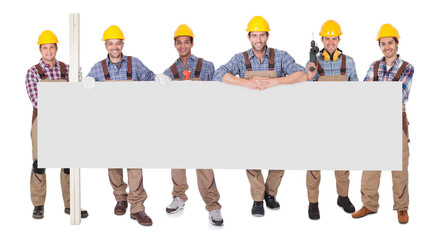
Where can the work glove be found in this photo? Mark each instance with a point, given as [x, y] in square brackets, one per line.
[162, 79]
[89, 82]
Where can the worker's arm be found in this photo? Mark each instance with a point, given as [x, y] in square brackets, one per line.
[231, 79]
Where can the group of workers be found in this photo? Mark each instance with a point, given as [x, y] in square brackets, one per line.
[258, 68]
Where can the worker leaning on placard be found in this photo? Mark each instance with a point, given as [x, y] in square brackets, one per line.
[333, 65]
[261, 67]
[119, 67]
[390, 68]
[49, 69]
[190, 67]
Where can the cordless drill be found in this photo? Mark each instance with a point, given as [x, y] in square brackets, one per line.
[313, 51]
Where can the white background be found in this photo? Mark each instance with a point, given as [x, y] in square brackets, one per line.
[220, 32]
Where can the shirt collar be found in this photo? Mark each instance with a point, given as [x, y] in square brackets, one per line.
[396, 62]
[46, 65]
[107, 59]
[251, 53]
[192, 57]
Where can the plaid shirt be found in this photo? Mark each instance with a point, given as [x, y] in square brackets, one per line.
[284, 64]
[140, 71]
[32, 78]
[385, 75]
[206, 73]
[333, 68]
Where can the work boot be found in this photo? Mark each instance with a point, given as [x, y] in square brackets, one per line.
[313, 211]
[176, 205]
[142, 218]
[84, 213]
[258, 209]
[271, 202]
[402, 216]
[362, 212]
[345, 203]
[38, 212]
[215, 216]
[121, 207]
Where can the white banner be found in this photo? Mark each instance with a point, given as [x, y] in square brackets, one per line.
[310, 125]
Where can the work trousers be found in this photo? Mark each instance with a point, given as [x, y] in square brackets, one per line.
[313, 179]
[206, 183]
[371, 179]
[38, 181]
[258, 187]
[137, 194]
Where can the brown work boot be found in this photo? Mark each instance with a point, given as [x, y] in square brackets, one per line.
[362, 212]
[142, 218]
[84, 213]
[121, 207]
[402, 216]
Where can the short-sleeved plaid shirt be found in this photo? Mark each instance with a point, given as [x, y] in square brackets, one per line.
[32, 78]
[284, 64]
[388, 75]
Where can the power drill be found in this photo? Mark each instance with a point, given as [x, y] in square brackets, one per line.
[313, 51]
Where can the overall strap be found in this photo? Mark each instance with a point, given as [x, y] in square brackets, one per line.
[271, 59]
[400, 71]
[129, 68]
[344, 64]
[376, 71]
[198, 68]
[105, 70]
[246, 61]
[40, 71]
[63, 70]
[174, 71]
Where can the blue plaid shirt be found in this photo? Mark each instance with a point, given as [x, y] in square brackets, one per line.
[333, 68]
[206, 73]
[384, 75]
[284, 64]
[140, 71]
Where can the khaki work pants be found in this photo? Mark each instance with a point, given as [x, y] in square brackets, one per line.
[206, 183]
[371, 179]
[137, 195]
[38, 181]
[313, 179]
[258, 187]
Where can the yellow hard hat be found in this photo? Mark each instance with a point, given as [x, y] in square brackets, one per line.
[113, 32]
[47, 37]
[387, 30]
[258, 24]
[330, 29]
[183, 30]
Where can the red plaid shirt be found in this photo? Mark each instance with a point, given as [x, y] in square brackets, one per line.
[32, 78]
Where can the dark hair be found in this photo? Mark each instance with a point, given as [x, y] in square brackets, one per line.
[190, 38]
[249, 34]
[56, 46]
[395, 39]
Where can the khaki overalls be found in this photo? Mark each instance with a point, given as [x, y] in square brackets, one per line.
[137, 195]
[313, 177]
[205, 177]
[38, 175]
[371, 179]
[274, 177]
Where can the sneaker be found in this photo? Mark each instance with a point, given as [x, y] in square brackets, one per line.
[402, 216]
[176, 205]
[346, 204]
[215, 216]
[271, 202]
[313, 211]
[258, 209]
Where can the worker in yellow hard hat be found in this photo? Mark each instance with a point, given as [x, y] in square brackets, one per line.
[390, 68]
[49, 69]
[119, 67]
[261, 67]
[331, 65]
[190, 67]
